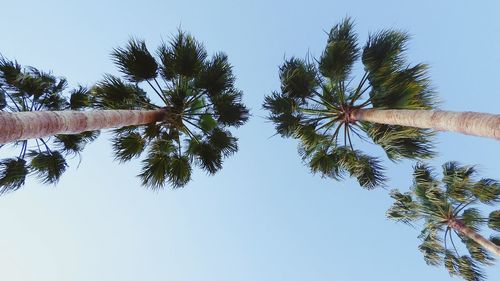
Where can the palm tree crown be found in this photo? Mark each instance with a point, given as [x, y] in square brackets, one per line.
[317, 101]
[200, 102]
[446, 207]
[29, 89]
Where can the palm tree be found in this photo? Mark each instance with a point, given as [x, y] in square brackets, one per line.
[198, 102]
[448, 208]
[391, 104]
[29, 91]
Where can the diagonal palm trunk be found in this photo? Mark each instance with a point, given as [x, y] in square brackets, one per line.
[40, 124]
[469, 123]
[460, 227]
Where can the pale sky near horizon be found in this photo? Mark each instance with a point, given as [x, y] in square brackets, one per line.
[264, 216]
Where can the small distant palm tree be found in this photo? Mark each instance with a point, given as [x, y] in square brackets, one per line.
[448, 208]
[31, 90]
[197, 97]
[391, 104]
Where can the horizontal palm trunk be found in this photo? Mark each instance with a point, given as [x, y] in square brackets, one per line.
[469, 123]
[40, 124]
[471, 234]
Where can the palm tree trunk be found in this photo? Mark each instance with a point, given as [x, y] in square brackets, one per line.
[40, 124]
[469, 123]
[470, 233]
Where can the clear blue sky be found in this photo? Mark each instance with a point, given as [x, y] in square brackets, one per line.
[264, 217]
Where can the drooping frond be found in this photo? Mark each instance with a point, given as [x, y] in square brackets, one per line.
[49, 165]
[179, 171]
[128, 145]
[74, 144]
[156, 166]
[13, 173]
[401, 142]
[343, 160]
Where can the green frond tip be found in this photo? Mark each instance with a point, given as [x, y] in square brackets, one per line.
[340, 53]
[135, 61]
[13, 173]
[49, 166]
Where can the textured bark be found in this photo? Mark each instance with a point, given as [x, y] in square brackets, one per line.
[470, 233]
[469, 123]
[40, 124]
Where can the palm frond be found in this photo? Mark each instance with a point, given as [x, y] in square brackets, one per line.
[469, 270]
[494, 220]
[10, 71]
[401, 142]
[185, 56]
[340, 53]
[477, 253]
[216, 76]
[229, 109]
[404, 208]
[13, 173]
[223, 141]
[113, 93]
[207, 156]
[128, 145]
[156, 166]
[74, 144]
[471, 217]
[487, 191]
[49, 165]
[80, 98]
[179, 171]
[298, 78]
[135, 61]
[384, 52]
